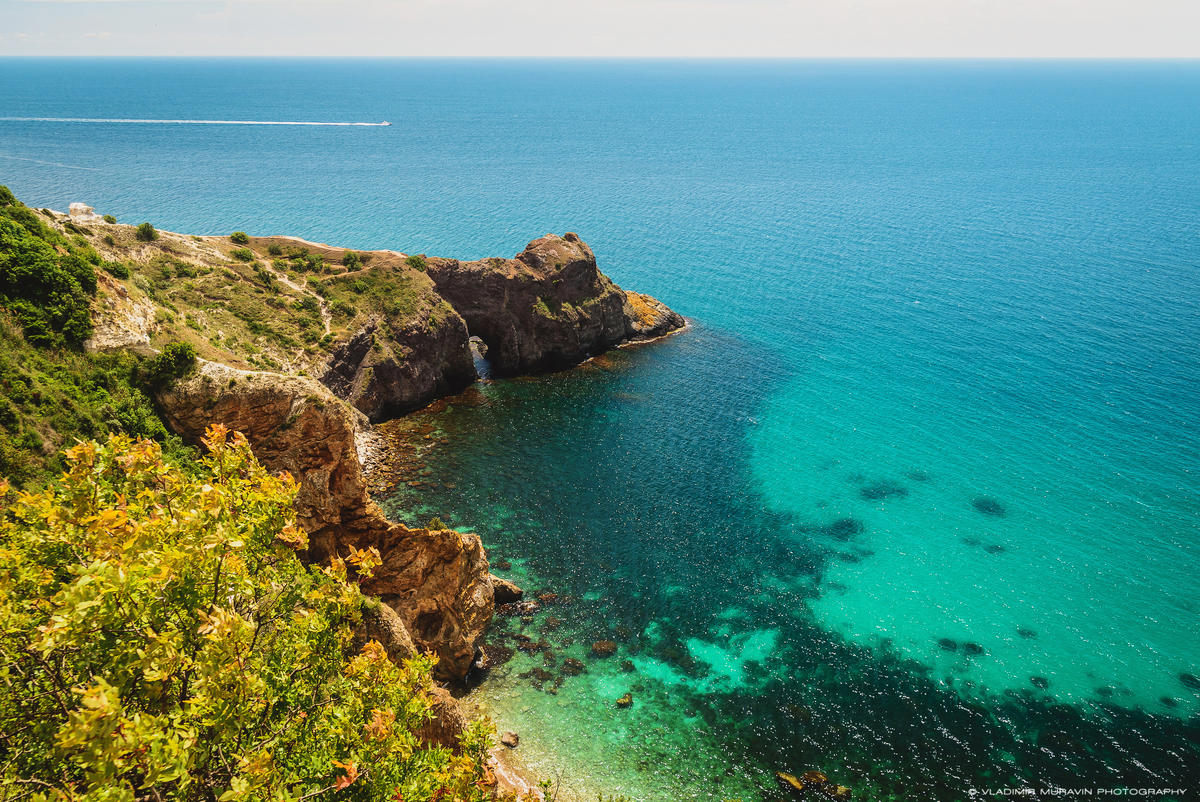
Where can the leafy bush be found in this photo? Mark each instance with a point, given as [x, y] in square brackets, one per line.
[117, 269]
[274, 250]
[146, 233]
[176, 361]
[47, 290]
[108, 218]
[160, 640]
[239, 238]
[109, 241]
[342, 309]
[308, 304]
[242, 254]
[416, 262]
[351, 260]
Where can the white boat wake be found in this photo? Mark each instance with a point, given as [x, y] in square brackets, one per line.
[173, 122]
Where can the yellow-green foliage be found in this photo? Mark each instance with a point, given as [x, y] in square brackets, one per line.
[159, 640]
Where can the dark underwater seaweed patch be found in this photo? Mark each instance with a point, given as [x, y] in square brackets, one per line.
[844, 528]
[883, 489]
[919, 476]
[1190, 681]
[1027, 634]
[989, 506]
[994, 548]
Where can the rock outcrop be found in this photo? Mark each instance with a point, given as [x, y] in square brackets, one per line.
[436, 581]
[386, 370]
[549, 307]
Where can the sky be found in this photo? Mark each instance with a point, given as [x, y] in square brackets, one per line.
[604, 28]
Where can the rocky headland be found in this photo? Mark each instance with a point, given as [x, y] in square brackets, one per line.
[303, 345]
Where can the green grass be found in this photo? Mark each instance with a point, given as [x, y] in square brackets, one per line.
[51, 397]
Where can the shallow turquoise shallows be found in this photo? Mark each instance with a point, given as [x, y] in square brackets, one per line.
[914, 501]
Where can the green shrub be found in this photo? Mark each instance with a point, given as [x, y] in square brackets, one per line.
[242, 254]
[274, 250]
[109, 241]
[146, 233]
[176, 361]
[108, 218]
[46, 290]
[161, 640]
[117, 269]
[240, 238]
[351, 260]
[416, 262]
[308, 304]
[342, 309]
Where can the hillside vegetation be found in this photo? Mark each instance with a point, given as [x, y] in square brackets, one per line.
[51, 392]
[159, 638]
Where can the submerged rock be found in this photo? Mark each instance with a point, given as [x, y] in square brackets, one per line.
[973, 649]
[948, 644]
[510, 739]
[627, 666]
[1190, 681]
[491, 656]
[604, 648]
[572, 667]
[989, 506]
[1040, 682]
[884, 489]
[625, 701]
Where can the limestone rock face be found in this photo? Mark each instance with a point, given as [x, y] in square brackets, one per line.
[385, 372]
[82, 213]
[437, 582]
[120, 320]
[549, 307]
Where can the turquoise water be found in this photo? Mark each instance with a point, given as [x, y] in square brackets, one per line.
[914, 502]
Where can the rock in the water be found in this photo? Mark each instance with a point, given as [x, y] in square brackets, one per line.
[572, 667]
[604, 648]
[491, 656]
[510, 739]
[973, 649]
[1190, 681]
[625, 701]
[948, 644]
[522, 608]
[1040, 682]
[627, 666]
[505, 592]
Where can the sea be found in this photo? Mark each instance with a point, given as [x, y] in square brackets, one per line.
[913, 502]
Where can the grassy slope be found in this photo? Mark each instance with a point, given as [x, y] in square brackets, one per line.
[281, 306]
[272, 304]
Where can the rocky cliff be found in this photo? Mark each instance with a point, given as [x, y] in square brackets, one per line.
[436, 581]
[548, 307]
[385, 333]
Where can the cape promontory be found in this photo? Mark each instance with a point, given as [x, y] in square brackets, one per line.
[302, 344]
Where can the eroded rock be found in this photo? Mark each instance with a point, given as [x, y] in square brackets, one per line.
[436, 581]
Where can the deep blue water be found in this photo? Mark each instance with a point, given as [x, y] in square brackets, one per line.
[941, 386]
